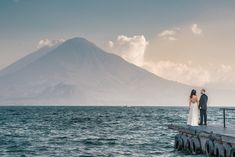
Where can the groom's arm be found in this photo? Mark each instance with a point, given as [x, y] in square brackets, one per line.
[200, 103]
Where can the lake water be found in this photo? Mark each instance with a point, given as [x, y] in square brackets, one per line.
[93, 131]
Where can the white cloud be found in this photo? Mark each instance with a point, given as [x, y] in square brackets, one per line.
[225, 68]
[131, 49]
[111, 44]
[172, 38]
[196, 30]
[168, 34]
[49, 43]
[189, 73]
[221, 72]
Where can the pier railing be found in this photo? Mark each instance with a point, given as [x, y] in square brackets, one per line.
[224, 114]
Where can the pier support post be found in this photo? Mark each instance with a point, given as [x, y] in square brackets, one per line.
[224, 117]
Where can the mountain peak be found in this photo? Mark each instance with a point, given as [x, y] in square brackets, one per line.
[78, 41]
[77, 44]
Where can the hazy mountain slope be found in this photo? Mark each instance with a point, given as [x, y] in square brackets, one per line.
[26, 60]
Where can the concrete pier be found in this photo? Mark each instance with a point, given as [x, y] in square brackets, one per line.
[212, 140]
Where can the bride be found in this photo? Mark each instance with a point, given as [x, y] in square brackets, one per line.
[193, 109]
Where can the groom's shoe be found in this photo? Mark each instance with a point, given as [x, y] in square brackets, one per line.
[200, 124]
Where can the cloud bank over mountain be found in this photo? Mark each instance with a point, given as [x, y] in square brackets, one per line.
[189, 74]
[177, 65]
[132, 49]
[49, 43]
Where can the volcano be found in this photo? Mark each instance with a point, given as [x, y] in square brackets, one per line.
[77, 72]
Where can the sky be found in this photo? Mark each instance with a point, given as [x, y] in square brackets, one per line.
[191, 42]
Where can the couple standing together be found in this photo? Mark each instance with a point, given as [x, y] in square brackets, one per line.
[195, 106]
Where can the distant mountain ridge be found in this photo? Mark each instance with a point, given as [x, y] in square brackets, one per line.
[78, 72]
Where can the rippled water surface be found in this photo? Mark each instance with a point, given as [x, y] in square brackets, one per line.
[93, 131]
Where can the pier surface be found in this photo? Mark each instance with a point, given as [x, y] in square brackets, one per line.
[215, 129]
[217, 132]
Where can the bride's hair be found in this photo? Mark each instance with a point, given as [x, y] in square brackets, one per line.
[193, 92]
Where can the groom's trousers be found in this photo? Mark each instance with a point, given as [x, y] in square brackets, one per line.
[203, 116]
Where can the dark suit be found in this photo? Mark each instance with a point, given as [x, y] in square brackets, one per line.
[203, 108]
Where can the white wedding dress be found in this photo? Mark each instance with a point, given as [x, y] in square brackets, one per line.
[193, 117]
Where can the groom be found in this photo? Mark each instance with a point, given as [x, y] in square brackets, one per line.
[203, 107]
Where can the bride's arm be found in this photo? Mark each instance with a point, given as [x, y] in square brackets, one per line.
[197, 102]
[189, 102]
